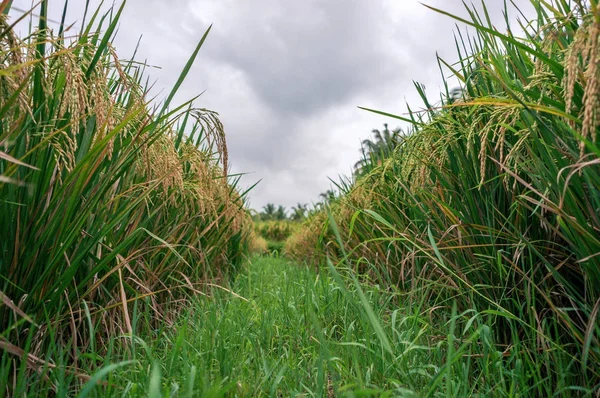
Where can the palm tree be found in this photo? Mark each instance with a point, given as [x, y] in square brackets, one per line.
[299, 212]
[268, 212]
[280, 214]
[380, 148]
[327, 196]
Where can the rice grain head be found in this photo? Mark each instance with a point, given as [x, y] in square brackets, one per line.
[582, 65]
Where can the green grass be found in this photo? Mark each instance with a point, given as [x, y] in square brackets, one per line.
[282, 330]
[275, 246]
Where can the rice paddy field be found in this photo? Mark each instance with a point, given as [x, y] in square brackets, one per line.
[465, 261]
[275, 233]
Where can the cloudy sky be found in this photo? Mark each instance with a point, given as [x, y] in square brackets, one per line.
[287, 76]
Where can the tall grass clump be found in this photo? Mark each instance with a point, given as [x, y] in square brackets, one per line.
[105, 199]
[492, 201]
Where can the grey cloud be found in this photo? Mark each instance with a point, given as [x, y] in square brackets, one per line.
[305, 56]
[286, 76]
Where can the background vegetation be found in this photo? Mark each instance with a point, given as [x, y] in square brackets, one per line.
[273, 225]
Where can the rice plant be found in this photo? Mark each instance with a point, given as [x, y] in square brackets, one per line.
[492, 201]
[105, 198]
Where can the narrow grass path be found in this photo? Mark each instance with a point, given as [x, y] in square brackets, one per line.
[290, 332]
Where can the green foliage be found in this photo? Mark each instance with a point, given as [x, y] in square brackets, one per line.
[275, 230]
[275, 246]
[491, 203]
